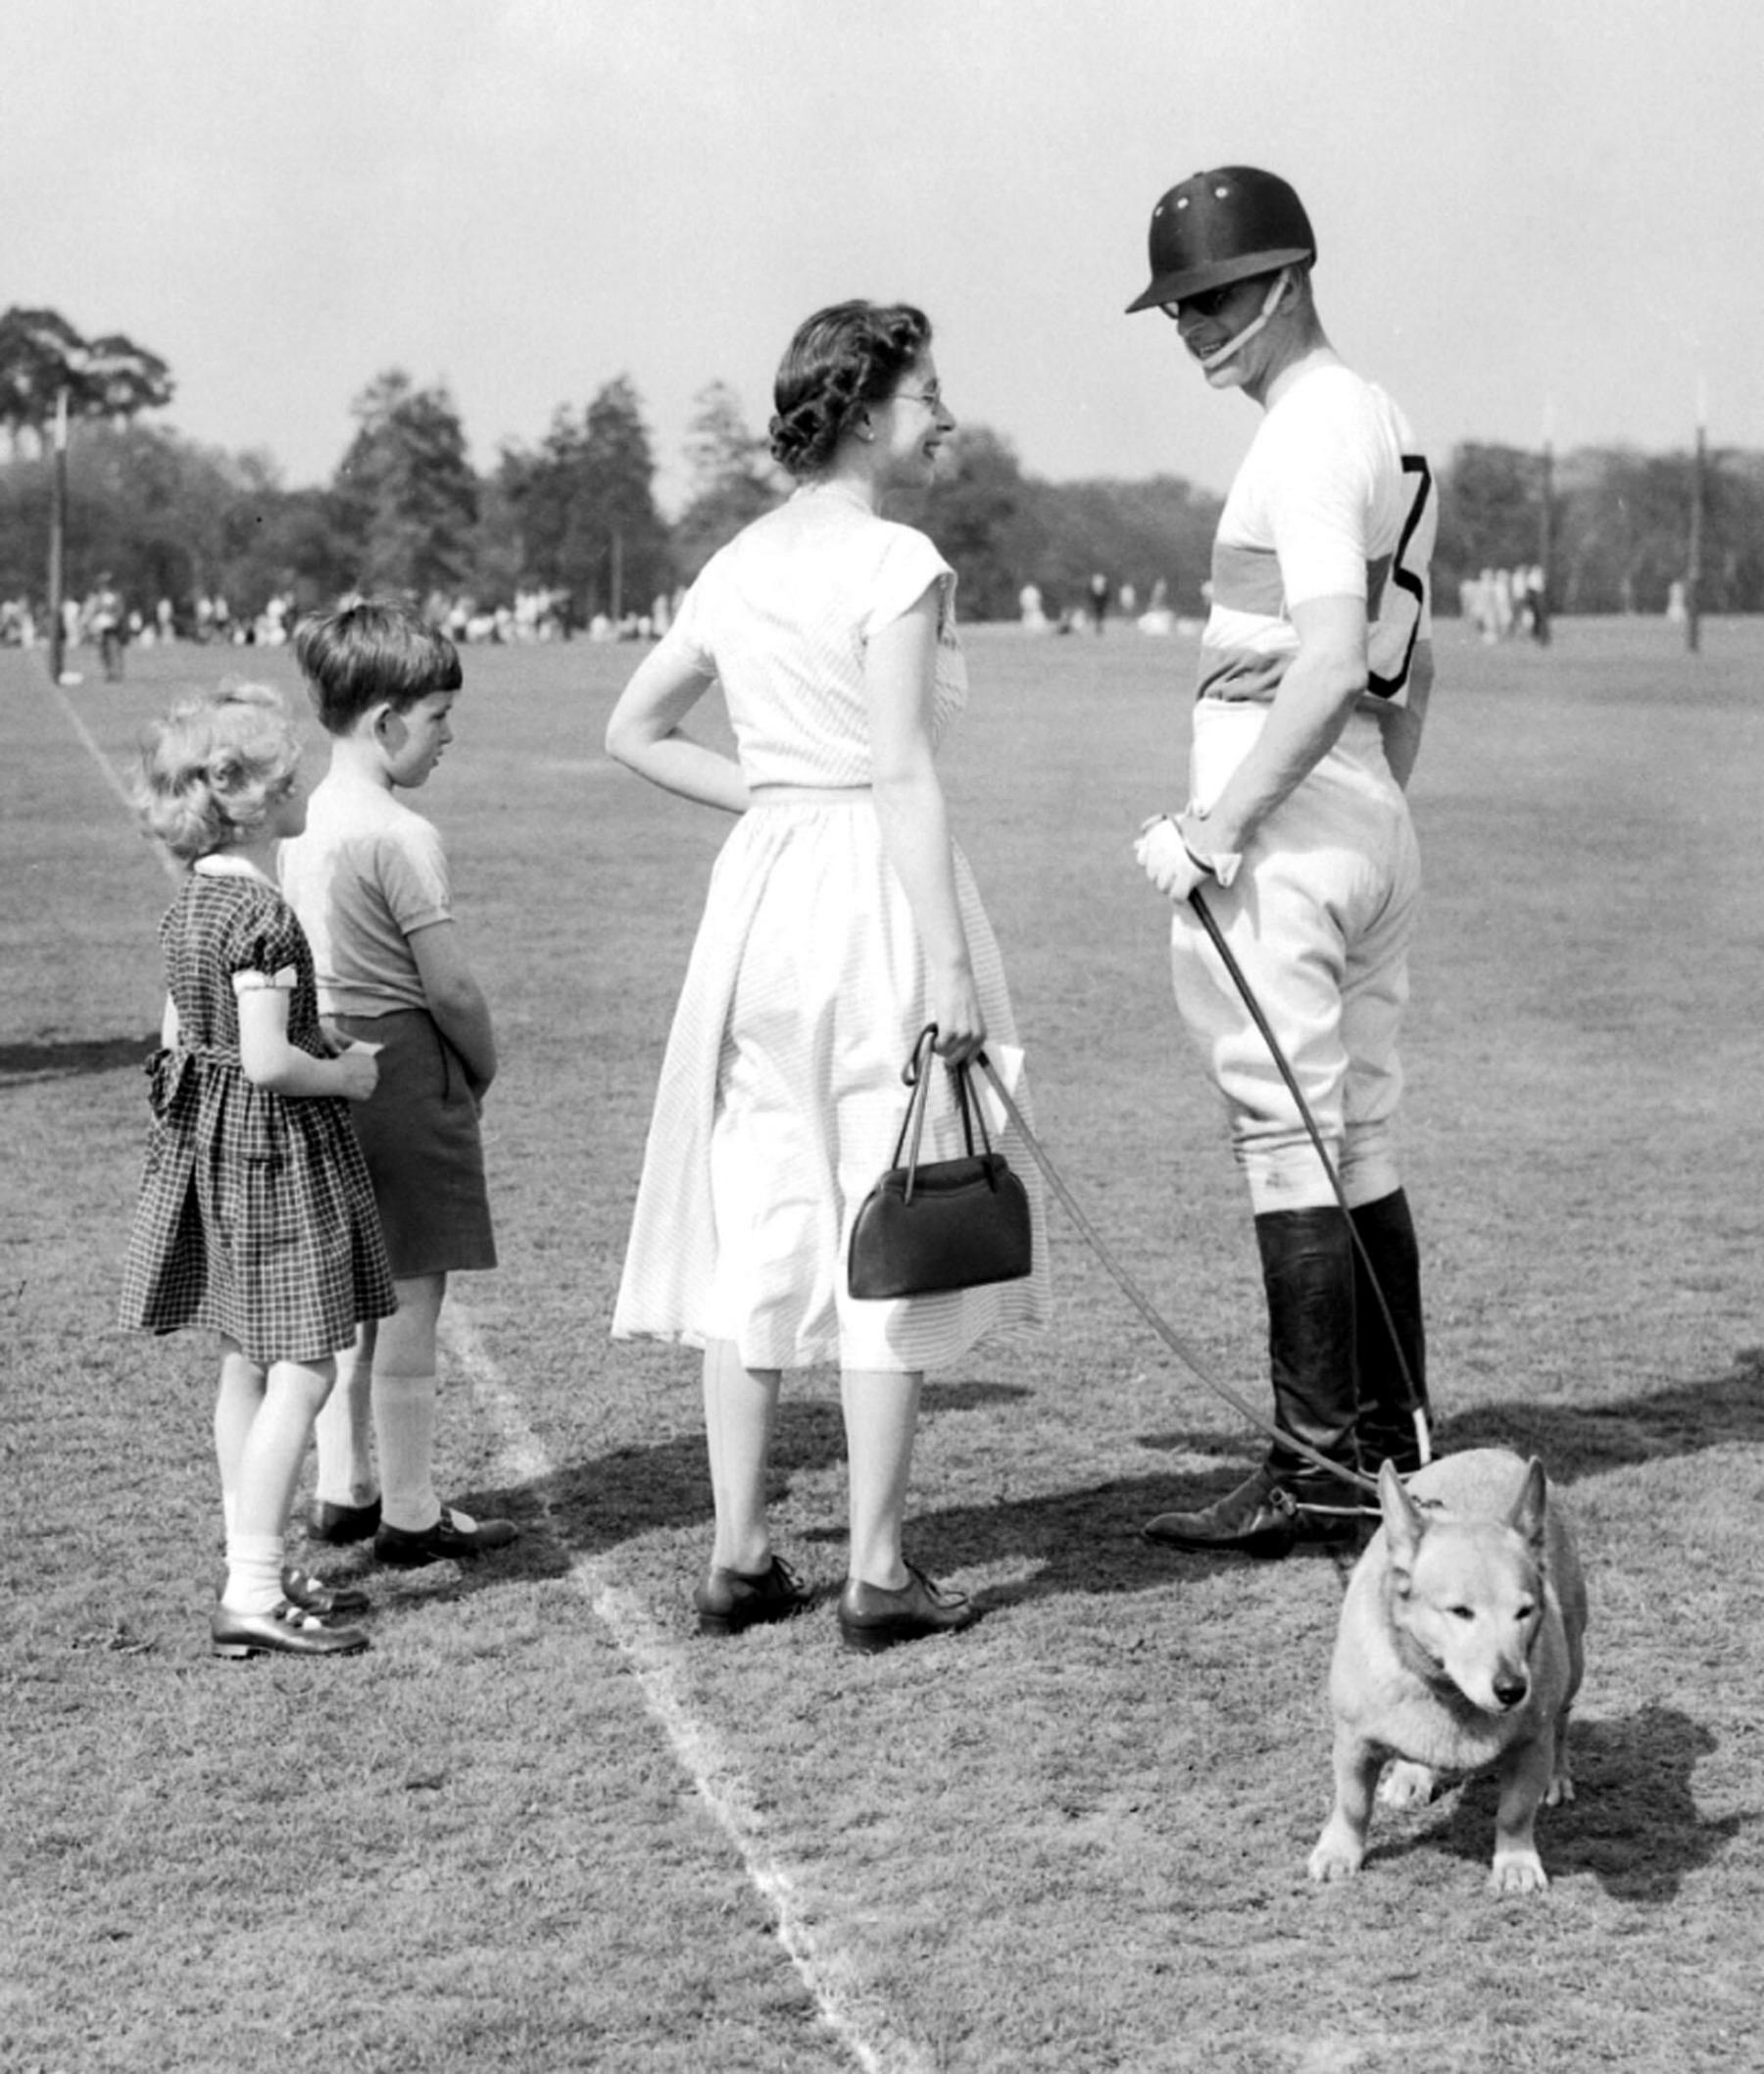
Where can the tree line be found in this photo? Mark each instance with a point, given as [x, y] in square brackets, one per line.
[574, 514]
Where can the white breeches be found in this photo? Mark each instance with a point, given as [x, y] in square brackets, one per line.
[1319, 919]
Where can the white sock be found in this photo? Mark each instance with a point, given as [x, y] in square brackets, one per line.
[404, 1433]
[253, 1567]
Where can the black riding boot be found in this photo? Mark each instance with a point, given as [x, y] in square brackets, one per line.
[1386, 1425]
[1307, 1273]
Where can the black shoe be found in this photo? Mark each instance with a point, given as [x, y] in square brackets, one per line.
[1264, 1517]
[312, 1595]
[446, 1541]
[337, 1525]
[284, 1631]
[729, 1601]
[871, 1619]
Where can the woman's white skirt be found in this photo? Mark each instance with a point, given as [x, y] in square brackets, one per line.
[780, 1101]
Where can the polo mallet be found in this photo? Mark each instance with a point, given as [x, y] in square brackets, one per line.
[1247, 994]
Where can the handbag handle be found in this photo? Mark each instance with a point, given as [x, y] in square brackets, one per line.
[918, 1077]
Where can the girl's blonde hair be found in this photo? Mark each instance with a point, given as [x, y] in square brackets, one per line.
[212, 767]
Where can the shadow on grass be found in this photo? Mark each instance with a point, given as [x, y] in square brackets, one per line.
[67, 1057]
[1634, 1825]
[1574, 1441]
[1577, 1441]
[1085, 1539]
[592, 1506]
[1086, 1542]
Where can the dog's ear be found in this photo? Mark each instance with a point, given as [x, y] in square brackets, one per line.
[1527, 1516]
[1402, 1519]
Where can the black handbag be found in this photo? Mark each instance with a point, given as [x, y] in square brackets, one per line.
[945, 1223]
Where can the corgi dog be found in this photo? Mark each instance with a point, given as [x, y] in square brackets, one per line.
[1460, 1648]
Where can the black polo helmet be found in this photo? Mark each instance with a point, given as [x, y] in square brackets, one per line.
[1221, 226]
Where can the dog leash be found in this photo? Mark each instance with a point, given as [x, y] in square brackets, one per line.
[1245, 993]
[1149, 1311]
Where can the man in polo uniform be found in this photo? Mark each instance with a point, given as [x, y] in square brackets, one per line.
[1315, 666]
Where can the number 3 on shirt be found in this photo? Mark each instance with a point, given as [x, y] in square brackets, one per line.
[1408, 571]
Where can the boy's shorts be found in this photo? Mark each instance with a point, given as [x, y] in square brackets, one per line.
[425, 1156]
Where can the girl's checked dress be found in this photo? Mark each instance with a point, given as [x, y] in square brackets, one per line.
[256, 1217]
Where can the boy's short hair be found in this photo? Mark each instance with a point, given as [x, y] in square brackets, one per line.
[369, 649]
[211, 769]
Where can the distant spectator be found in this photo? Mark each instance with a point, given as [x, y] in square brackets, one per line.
[103, 619]
[1157, 617]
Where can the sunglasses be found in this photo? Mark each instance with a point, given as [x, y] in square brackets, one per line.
[1209, 303]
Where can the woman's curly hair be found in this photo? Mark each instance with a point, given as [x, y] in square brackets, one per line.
[212, 767]
[842, 359]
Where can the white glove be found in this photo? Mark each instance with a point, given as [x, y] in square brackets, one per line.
[1165, 860]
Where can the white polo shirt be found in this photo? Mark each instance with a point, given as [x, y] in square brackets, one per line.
[1332, 500]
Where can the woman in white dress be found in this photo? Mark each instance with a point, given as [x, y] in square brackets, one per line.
[841, 918]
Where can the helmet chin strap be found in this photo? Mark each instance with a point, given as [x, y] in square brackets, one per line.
[1270, 303]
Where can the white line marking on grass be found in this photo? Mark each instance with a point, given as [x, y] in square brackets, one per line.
[174, 869]
[718, 1778]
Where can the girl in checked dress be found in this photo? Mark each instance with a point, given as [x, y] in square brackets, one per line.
[841, 920]
[255, 1217]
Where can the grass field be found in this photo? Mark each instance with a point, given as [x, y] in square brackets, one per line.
[540, 1826]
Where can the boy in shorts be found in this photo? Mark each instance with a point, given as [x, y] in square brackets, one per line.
[368, 880]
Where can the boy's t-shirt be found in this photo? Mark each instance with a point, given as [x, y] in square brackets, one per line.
[364, 876]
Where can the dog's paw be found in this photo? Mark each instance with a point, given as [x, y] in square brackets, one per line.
[1561, 1790]
[1517, 1872]
[1336, 1856]
[1408, 1784]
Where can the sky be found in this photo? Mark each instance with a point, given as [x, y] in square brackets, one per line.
[1535, 217]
